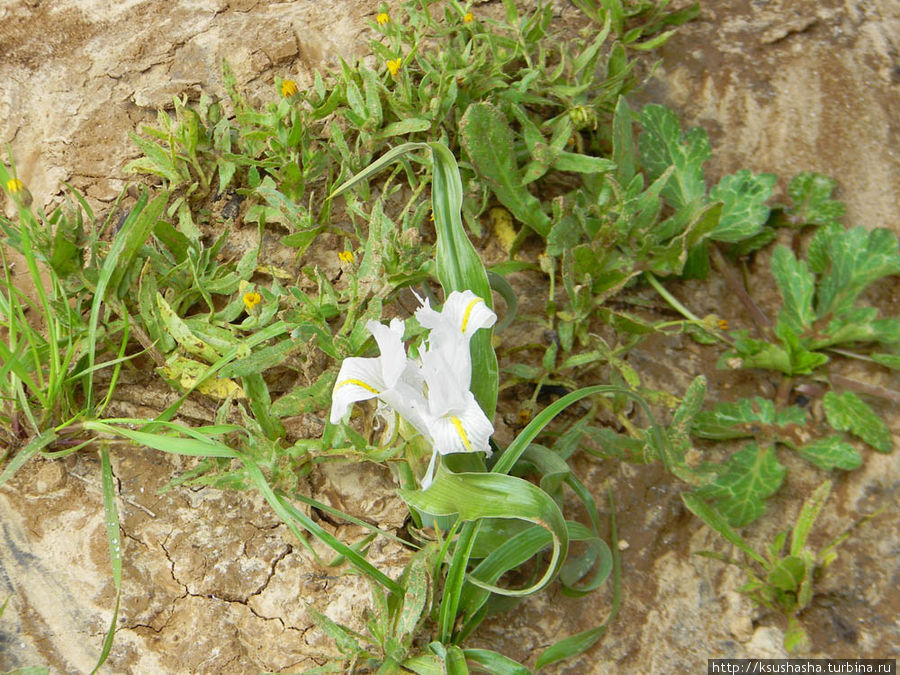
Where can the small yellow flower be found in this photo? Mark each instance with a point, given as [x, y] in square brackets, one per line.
[251, 300]
[18, 190]
[346, 256]
[382, 19]
[393, 66]
[722, 324]
[431, 217]
[468, 18]
[288, 88]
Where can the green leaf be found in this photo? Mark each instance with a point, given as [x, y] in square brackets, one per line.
[414, 598]
[662, 145]
[624, 154]
[744, 209]
[857, 258]
[848, 412]
[890, 360]
[787, 574]
[494, 662]
[716, 521]
[808, 514]
[488, 141]
[797, 286]
[750, 475]
[315, 397]
[473, 496]
[811, 194]
[748, 417]
[183, 335]
[831, 453]
[459, 268]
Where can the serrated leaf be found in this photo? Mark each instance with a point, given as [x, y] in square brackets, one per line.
[848, 412]
[831, 453]
[748, 417]
[858, 325]
[811, 194]
[797, 286]
[662, 145]
[744, 209]
[751, 475]
[857, 258]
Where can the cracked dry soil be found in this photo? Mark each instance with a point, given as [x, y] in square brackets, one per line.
[212, 581]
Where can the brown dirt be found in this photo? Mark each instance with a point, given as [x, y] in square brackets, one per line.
[212, 581]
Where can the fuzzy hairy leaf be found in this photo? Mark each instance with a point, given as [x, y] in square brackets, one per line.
[848, 412]
[488, 141]
[751, 475]
[744, 209]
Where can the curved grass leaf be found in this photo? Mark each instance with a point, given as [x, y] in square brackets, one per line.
[474, 496]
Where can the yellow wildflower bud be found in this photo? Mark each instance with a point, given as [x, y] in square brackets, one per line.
[251, 300]
[288, 88]
[346, 256]
[382, 19]
[722, 324]
[468, 18]
[18, 190]
[393, 66]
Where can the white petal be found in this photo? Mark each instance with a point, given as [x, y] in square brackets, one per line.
[463, 312]
[358, 380]
[410, 403]
[428, 478]
[393, 353]
[468, 431]
[466, 312]
[447, 381]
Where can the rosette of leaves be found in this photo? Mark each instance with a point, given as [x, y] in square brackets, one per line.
[819, 301]
[748, 478]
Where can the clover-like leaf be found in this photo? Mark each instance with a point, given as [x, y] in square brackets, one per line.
[744, 209]
[662, 144]
[848, 412]
[752, 474]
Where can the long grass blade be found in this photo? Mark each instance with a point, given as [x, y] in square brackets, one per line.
[113, 537]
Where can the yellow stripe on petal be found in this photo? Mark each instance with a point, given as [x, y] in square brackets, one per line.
[358, 383]
[462, 432]
[468, 312]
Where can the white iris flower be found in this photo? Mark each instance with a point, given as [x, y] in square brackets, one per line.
[431, 393]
